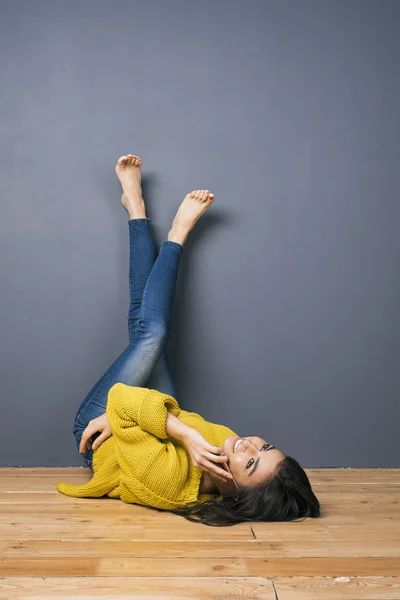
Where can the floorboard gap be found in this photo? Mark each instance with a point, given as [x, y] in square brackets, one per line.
[275, 592]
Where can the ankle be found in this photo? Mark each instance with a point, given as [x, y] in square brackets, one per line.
[177, 235]
[137, 213]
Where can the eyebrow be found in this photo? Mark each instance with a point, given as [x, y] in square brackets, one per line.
[258, 460]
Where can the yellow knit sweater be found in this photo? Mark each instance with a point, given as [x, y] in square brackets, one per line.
[140, 463]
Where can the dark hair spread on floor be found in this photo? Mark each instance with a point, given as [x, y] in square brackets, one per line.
[286, 496]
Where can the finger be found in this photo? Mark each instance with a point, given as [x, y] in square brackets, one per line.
[98, 441]
[82, 445]
[217, 457]
[221, 472]
[215, 449]
[85, 436]
[83, 448]
[216, 452]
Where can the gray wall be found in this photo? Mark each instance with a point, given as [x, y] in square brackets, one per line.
[286, 316]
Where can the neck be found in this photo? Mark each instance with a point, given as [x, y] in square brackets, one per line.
[207, 485]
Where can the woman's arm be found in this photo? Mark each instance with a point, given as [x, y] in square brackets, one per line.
[203, 455]
[131, 406]
[176, 428]
[130, 409]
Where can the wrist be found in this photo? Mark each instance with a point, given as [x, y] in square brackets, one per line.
[186, 433]
[176, 428]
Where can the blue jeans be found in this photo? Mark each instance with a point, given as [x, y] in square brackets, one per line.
[144, 363]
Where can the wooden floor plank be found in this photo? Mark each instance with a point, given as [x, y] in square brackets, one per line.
[222, 588]
[139, 588]
[198, 567]
[118, 518]
[295, 531]
[337, 588]
[323, 491]
[215, 549]
[86, 529]
[332, 504]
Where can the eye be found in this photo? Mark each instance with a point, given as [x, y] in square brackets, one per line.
[251, 461]
[267, 446]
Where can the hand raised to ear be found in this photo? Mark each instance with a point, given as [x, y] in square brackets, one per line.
[205, 455]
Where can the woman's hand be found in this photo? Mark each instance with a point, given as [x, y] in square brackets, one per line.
[99, 424]
[204, 455]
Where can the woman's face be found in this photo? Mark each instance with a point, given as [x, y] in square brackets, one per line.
[251, 459]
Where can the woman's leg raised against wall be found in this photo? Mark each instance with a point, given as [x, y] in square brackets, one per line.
[142, 256]
[154, 321]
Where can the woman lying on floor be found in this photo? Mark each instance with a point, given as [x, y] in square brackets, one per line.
[141, 446]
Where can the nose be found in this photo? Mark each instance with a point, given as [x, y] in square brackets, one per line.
[245, 446]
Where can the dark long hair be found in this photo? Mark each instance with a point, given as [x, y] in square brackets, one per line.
[285, 496]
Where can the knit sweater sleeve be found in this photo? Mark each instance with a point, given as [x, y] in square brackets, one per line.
[155, 469]
[130, 406]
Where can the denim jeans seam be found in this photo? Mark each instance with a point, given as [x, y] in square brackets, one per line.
[167, 243]
[140, 220]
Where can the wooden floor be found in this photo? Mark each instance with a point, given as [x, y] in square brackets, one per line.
[53, 546]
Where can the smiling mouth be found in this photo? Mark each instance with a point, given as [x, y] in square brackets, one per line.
[236, 443]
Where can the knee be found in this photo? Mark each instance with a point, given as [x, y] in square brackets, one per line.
[155, 330]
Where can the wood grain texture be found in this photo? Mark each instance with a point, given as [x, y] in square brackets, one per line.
[55, 546]
[139, 588]
[202, 588]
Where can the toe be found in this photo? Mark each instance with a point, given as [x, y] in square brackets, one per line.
[121, 161]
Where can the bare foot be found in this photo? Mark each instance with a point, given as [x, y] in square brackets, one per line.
[128, 170]
[192, 208]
